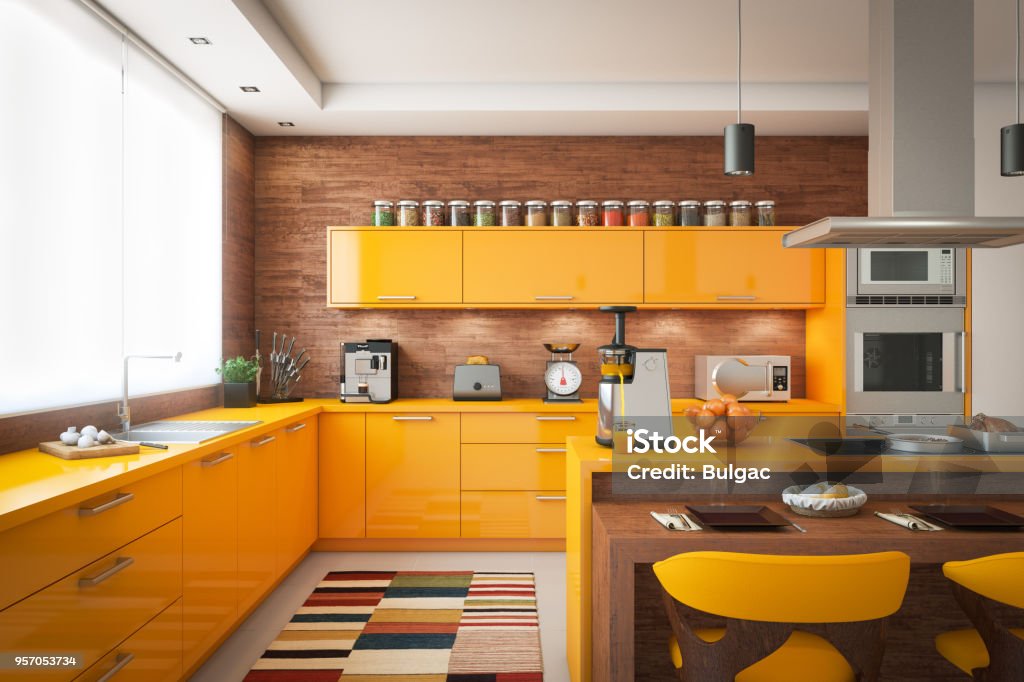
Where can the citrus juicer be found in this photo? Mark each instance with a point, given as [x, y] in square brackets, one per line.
[633, 379]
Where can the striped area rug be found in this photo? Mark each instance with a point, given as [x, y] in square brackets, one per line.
[410, 626]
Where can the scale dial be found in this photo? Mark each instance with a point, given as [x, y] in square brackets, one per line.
[563, 378]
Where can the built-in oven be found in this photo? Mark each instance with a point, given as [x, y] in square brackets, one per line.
[905, 361]
[906, 276]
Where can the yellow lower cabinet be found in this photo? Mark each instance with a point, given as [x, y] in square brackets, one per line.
[412, 475]
[93, 609]
[527, 427]
[209, 551]
[296, 490]
[153, 654]
[342, 475]
[257, 519]
[513, 514]
[513, 466]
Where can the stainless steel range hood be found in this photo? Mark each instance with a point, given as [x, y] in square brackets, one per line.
[853, 232]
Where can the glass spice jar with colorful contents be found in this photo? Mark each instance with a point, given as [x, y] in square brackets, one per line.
[611, 213]
[587, 214]
[638, 213]
[740, 213]
[510, 213]
[408, 213]
[561, 213]
[536, 213]
[714, 213]
[765, 213]
[458, 213]
[432, 213]
[689, 213]
[383, 213]
[663, 213]
[483, 214]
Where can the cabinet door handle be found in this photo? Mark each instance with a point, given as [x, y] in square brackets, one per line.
[120, 499]
[553, 298]
[396, 298]
[737, 298]
[122, 661]
[264, 441]
[122, 563]
[550, 449]
[217, 460]
[555, 419]
[413, 419]
[550, 498]
[296, 427]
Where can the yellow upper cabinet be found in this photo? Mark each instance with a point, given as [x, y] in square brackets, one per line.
[731, 267]
[563, 268]
[394, 267]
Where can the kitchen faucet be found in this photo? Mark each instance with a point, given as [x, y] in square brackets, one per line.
[125, 412]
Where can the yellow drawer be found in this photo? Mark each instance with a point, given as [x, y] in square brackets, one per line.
[513, 514]
[513, 466]
[526, 427]
[94, 608]
[153, 654]
[43, 551]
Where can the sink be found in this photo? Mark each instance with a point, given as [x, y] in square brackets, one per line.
[182, 431]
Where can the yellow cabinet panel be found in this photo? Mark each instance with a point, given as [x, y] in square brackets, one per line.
[513, 514]
[93, 609]
[342, 475]
[153, 654]
[731, 266]
[209, 551]
[43, 551]
[412, 475]
[296, 490]
[257, 519]
[526, 427]
[553, 267]
[518, 466]
[394, 267]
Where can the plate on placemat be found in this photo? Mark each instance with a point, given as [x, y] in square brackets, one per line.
[969, 515]
[737, 515]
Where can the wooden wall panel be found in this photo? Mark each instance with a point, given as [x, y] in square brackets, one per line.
[304, 184]
[238, 255]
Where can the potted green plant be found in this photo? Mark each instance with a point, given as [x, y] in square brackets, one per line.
[239, 376]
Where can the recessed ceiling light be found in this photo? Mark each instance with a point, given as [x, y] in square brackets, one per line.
[200, 41]
[249, 88]
[286, 124]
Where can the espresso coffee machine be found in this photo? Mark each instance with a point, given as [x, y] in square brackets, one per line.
[371, 371]
[633, 392]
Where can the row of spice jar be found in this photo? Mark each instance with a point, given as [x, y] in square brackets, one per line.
[584, 213]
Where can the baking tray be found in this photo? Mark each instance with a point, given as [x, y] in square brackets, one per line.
[926, 444]
[969, 516]
[737, 516]
[989, 441]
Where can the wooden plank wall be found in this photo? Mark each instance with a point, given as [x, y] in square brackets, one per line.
[304, 184]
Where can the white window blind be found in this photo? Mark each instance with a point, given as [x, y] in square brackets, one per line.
[109, 214]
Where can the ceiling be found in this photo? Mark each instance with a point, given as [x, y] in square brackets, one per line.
[410, 67]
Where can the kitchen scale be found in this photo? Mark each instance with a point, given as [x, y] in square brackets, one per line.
[562, 376]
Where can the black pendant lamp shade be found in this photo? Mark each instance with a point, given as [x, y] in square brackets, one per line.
[1011, 152]
[739, 149]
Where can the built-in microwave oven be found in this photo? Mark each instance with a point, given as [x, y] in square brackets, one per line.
[906, 276]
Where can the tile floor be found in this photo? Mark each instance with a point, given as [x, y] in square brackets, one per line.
[232, 660]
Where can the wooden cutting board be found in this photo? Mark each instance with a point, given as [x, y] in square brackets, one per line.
[58, 449]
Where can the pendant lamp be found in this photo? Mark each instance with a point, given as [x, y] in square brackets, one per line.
[1011, 137]
[739, 137]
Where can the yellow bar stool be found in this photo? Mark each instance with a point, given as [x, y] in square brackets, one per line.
[783, 620]
[988, 589]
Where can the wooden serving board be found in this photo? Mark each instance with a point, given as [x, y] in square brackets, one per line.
[58, 449]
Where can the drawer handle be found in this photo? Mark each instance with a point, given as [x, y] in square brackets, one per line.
[297, 427]
[122, 661]
[412, 419]
[217, 460]
[550, 498]
[264, 441]
[120, 499]
[396, 298]
[550, 449]
[553, 298]
[737, 298]
[555, 419]
[119, 565]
